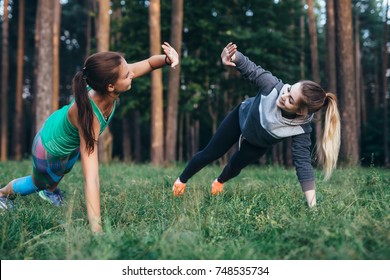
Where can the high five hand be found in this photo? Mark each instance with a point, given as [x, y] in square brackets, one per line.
[229, 54]
[171, 53]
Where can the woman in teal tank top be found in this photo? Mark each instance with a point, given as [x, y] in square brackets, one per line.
[72, 131]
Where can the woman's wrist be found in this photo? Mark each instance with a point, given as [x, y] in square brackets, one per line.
[167, 60]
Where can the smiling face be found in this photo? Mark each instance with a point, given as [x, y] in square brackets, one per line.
[291, 99]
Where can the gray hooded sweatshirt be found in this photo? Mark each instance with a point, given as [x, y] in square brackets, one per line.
[263, 125]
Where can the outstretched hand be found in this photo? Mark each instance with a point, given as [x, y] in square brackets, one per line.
[171, 54]
[229, 54]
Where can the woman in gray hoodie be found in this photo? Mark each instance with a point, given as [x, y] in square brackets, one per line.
[278, 111]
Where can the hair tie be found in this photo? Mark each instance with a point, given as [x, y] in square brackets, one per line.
[326, 100]
[167, 60]
[84, 70]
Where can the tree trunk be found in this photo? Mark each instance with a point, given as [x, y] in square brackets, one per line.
[4, 83]
[126, 140]
[314, 64]
[346, 85]
[313, 42]
[385, 93]
[44, 94]
[357, 76]
[90, 6]
[302, 38]
[213, 114]
[181, 130]
[136, 130]
[157, 115]
[331, 46]
[103, 39]
[288, 159]
[363, 102]
[188, 136]
[174, 83]
[18, 121]
[194, 137]
[275, 155]
[36, 63]
[376, 82]
[56, 54]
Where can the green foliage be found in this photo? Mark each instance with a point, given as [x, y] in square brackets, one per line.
[261, 215]
[73, 40]
[267, 31]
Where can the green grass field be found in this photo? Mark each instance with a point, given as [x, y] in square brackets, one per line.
[261, 215]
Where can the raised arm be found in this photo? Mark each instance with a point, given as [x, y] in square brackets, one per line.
[262, 78]
[170, 57]
[90, 167]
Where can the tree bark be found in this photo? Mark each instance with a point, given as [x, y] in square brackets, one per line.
[346, 86]
[314, 64]
[36, 63]
[357, 77]
[44, 94]
[385, 87]
[174, 83]
[302, 39]
[313, 42]
[136, 129]
[157, 115]
[126, 140]
[188, 136]
[103, 38]
[181, 130]
[90, 7]
[376, 82]
[331, 46]
[56, 54]
[4, 87]
[18, 121]
[288, 158]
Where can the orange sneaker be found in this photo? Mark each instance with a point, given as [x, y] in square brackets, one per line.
[178, 188]
[216, 187]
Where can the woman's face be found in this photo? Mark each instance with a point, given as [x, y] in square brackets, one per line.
[125, 78]
[290, 99]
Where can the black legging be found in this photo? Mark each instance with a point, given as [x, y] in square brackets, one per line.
[227, 134]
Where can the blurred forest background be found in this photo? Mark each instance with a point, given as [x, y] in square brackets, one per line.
[170, 114]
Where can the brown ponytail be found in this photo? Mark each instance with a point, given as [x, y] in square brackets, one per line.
[84, 108]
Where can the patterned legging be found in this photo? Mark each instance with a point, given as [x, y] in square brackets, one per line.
[48, 170]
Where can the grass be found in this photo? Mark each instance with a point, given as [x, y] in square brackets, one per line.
[261, 215]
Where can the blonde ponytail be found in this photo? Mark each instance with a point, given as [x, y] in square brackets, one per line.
[329, 149]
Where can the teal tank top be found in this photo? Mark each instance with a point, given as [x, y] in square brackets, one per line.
[60, 138]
